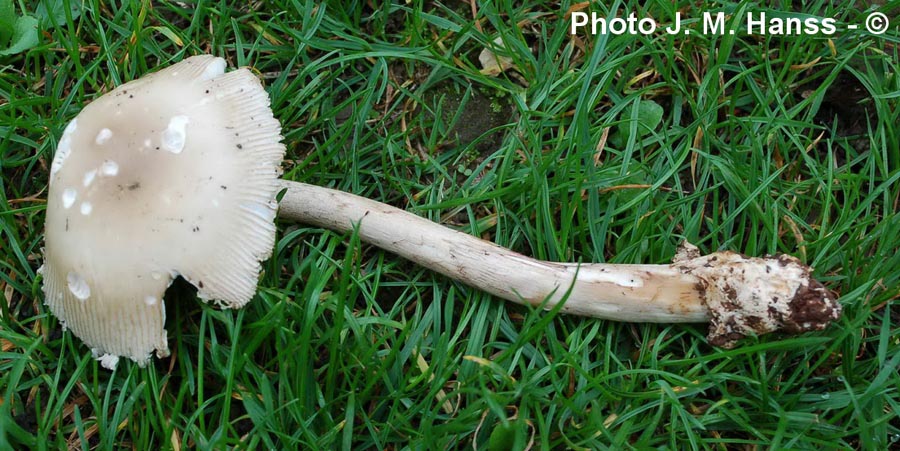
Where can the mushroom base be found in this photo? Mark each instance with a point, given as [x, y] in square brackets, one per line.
[753, 296]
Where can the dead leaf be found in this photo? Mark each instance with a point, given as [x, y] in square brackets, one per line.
[493, 64]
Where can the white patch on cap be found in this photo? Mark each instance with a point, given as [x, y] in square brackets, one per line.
[63, 149]
[68, 197]
[109, 361]
[150, 300]
[148, 142]
[214, 69]
[175, 134]
[104, 136]
[109, 168]
[71, 127]
[89, 177]
[78, 286]
[86, 208]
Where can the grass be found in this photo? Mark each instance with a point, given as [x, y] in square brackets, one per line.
[767, 144]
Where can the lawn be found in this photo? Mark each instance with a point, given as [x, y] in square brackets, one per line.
[607, 148]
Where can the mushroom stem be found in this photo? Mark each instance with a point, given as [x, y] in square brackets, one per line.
[738, 295]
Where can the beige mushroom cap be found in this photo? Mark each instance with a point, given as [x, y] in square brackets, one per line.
[171, 174]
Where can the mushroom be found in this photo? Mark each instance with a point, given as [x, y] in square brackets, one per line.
[176, 174]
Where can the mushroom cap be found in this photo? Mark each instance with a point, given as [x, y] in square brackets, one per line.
[171, 174]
